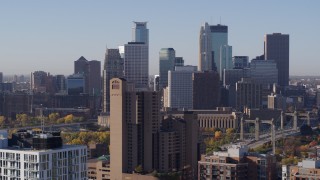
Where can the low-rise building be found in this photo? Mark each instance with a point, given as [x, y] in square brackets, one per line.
[236, 163]
[99, 168]
[306, 169]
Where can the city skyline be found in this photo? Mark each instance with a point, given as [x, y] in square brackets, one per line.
[51, 36]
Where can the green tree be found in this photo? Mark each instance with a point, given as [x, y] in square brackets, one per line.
[53, 117]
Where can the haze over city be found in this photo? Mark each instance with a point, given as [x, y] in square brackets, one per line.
[50, 36]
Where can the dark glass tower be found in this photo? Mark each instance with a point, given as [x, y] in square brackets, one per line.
[276, 47]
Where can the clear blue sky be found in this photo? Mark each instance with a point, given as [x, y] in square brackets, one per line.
[50, 35]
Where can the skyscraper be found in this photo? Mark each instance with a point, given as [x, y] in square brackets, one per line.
[136, 64]
[219, 37]
[206, 90]
[94, 78]
[180, 87]
[1, 77]
[113, 68]
[91, 71]
[205, 45]
[166, 63]
[225, 59]
[140, 33]
[276, 47]
[135, 119]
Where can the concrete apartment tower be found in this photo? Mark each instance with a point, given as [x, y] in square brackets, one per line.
[276, 47]
[134, 122]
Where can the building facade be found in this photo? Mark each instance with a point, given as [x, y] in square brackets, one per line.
[219, 38]
[180, 87]
[113, 68]
[206, 90]
[248, 94]
[225, 61]
[237, 163]
[136, 64]
[135, 119]
[46, 158]
[166, 63]
[276, 47]
[206, 62]
[140, 32]
[264, 72]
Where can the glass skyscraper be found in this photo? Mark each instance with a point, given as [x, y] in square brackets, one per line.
[166, 63]
[140, 33]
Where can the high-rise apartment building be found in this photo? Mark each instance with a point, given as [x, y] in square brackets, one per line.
[276, 47]
[166, 63]
[136, 64]
[140, 33]
[33, 155]
[40, 81]
[134, 122]
[113, 68]
[206, 90]
[206, 62]
[156, 83]
[180, 87]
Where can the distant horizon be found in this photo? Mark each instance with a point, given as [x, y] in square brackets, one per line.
[35, 37]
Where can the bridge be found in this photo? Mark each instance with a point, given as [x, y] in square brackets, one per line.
[275, 132]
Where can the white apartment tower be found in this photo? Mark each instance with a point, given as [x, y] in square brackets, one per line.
[66, 162]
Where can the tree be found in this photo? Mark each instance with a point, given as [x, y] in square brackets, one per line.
[2, 121]
[138, 169]
[218, 134]
[22, 118]
[53, 117]
[69, 118]
[230, 131]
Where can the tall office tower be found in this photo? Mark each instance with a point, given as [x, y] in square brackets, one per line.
[140, 33]
[113, 68]
[206, 90]
[240, 62]
[1, 77]
[60, 84]
[178, 61]
[248, 94]
[166, 63]
[264, 72]
[94, 78]
[81, 66]
[180, 87]
[30, 155]
[136, 64]
[206, 62]
[276, 47]
[225, 59]
[91, 71]
[135, 119]
[219, 38]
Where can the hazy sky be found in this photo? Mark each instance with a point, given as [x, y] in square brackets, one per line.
[51, 35]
